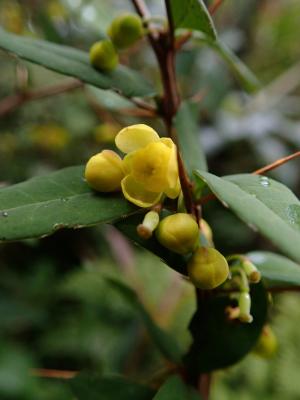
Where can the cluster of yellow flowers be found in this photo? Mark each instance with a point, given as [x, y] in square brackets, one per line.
[147, 175]
[147, 172]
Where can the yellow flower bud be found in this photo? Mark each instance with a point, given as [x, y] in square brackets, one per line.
[103, 55]
[125, 30]
[267, 345]
[104, 171]
[207, 268]
[179, 233]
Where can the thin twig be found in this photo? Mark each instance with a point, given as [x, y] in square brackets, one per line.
[260, 171]
[171, 24]
[280, 289]
[276, 164]
[214, 7]
[53, 373]
[183, 39]
[10, 103]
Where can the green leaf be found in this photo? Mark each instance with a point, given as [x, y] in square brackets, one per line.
[264, 204]
[189, 140]
[109, 388]
[243, 74]
[69, 61]
[175, 389]
[128, 228]
[193, 14]
[276, 269]
[61, 199]
[164, 341]
[218, 342]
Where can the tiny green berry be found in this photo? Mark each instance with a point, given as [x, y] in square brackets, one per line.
[125, 30]
[103, 55]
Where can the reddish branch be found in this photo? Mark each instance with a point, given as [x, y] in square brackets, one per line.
[14, 101]
[276, 164]
[53, 373]
[164, 47]
[260, 171]
[214, 7]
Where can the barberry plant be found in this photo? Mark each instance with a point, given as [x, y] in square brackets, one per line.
[154, 186]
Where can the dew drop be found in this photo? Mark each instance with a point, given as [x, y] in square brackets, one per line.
[4, 214]
[264, 181]
[293, 214]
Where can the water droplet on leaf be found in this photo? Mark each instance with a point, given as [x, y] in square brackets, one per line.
[264, 181]
[293, 215]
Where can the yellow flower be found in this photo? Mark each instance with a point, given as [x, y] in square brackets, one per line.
[150, 165]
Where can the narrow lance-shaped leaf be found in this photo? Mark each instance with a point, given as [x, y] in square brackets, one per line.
[264, 204]
[188, 137]
[243, 74]
[193, 14]
[276, 270]
[73, 62]
[61, 199]
[164, 341]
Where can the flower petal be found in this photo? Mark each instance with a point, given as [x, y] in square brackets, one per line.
[135, 137]
[127, 163]
[172, 173]
[136, 193]
[150, 164]
[173, 192]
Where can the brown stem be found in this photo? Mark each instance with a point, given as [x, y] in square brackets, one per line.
[14, 101]
[276, 163]
[163, 46]
[214, 7]
[171, 25]
[260, 171]
[53, 373]
[182, 40]
[204, 385]
[280, 289]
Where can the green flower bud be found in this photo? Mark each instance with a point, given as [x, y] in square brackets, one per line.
[104, 171]
[179, 233]
[125, 30]
[103, 55]
[149, 224]
[267, 345]
[252, 272]
[207, 268]
[245, 306]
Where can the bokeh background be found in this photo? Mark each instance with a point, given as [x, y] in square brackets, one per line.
[56, 310]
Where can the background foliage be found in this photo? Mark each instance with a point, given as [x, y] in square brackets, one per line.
[58, 309]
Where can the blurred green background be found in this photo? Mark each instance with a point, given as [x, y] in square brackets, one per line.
[56, 309]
